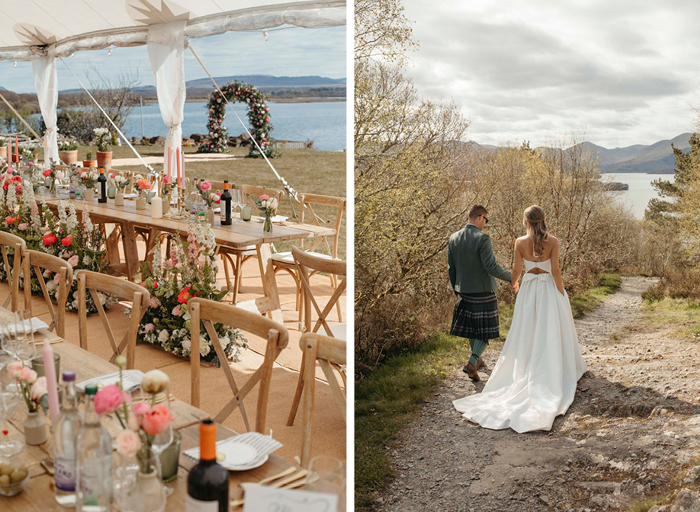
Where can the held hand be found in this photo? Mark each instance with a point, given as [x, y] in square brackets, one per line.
[515, 287]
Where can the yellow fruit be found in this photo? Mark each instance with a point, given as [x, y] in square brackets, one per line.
[18, 475]
[5, 469]
[5, 480]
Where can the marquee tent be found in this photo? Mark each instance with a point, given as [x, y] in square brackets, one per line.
[44, 30]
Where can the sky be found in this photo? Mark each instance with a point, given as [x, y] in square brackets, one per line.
[289, 52]
[613, 73]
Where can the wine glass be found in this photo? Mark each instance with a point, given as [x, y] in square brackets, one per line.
[22, 343]
[9, 397]
[235, 202]
[328, 475]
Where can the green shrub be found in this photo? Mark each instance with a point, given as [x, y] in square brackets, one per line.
[682, 284]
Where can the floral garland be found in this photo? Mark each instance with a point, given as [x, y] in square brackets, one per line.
[258, 115]
[188, 271]
[81, 244]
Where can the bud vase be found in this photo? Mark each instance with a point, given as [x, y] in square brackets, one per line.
[146, 493]
[166, 204]
[111, 192]
[210, 216]
[140, 203]
[35, 429]
[89, 195]
[119, 199]
[267, 227]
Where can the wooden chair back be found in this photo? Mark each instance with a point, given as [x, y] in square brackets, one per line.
[111, 286]
[204, 313]
[40, 261]
[308, 263]
[330, 353]
[337, 205]
[252, 192]
[18, 246]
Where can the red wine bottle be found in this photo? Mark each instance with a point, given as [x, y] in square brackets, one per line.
[207, 483]
[102, 183]
[226, 206]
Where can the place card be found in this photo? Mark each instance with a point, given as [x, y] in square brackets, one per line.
[132, 380]
[261, 497]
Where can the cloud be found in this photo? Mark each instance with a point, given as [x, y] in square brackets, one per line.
[528, 68]
[289, 52]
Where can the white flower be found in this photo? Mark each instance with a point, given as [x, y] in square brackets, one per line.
[204, 349]
[163, 336]
[86, 260]
[225, 342]
[187, 344]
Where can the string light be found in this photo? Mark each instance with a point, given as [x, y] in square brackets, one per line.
[265, 34]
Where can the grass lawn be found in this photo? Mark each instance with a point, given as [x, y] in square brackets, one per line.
[388, 399]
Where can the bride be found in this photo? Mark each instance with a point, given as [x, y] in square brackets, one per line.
[535, 377]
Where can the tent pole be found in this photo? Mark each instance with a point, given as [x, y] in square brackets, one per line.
[20, 117]
[290, 191]
[108, 118]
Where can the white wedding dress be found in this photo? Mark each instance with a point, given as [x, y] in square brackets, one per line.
[535, 377]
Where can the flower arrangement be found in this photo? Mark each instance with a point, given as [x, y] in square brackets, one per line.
[141, 422]
[144, 187]
[119, 181]
[210, 197]
[89, 178]
[268, 207]
[103, 139]
[258, 115]
[33, 388]
[67, 146]
[167, 185]
[188, 271]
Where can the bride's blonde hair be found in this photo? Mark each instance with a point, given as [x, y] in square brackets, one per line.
[536, 228]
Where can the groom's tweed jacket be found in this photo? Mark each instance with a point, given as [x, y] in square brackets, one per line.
[471, 263]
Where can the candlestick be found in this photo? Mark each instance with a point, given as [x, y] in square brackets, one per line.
[177, 158]
[51, 385]
[168, 167]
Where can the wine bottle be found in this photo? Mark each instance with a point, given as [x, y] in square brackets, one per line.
[65, 428]
[226, 217]
[207, 483]
[102, 181]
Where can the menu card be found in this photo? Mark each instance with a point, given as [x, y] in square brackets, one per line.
[262, 498]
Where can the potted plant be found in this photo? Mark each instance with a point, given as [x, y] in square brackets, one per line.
[68, 152]
[103, 141]
[89, 162]
[28, 154]
[3, 148]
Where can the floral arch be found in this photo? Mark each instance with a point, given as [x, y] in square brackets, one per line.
[258, 115]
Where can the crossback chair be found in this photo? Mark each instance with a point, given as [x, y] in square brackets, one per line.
[228, 255]
[330, 353]
[40, 261]
[204, 313]
[139, 297]
[284, 261]
[307, 263]
[18, 246]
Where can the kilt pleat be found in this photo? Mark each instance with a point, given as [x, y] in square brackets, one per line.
[476, 317]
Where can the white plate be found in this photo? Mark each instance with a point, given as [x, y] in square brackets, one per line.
[262, 445]
[36, 324]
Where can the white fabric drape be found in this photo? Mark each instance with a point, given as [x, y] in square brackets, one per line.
[166, 47]
[46, 82]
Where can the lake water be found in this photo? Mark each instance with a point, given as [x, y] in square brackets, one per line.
[640, 191]
[322, 122]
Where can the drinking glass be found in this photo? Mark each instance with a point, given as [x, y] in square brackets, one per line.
[163, 440]
[9, 397]
[328, 475]
[235, 202]
[23, 343]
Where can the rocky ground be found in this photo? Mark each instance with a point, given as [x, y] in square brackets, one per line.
[631, 435]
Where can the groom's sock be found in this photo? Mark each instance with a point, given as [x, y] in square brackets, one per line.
[471, 343]
[478, 348]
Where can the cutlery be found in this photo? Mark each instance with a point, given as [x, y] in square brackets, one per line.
[299, 482]
[281, 483]
[284, 473]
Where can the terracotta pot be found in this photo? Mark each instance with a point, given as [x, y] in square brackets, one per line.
[3, 152]
[69, 157]
[15, 158]
[89, 163]
[35, 429]
[119, 199]
[104, 159]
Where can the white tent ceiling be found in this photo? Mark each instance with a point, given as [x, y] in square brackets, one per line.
[72, 25]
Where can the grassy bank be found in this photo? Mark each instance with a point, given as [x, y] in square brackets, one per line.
[387, 400]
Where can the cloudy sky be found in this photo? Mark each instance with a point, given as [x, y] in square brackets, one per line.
[622, 72]
[290, 52]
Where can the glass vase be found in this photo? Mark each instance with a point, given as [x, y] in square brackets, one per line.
[267, 226]
[145, 492]
[35, 429]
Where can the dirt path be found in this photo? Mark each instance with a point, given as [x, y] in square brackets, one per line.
[633, 426]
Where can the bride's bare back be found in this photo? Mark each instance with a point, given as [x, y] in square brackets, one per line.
[524, 249]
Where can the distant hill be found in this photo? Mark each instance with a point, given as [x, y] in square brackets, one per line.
[656, 158]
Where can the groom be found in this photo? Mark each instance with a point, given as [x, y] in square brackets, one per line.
[473, 271]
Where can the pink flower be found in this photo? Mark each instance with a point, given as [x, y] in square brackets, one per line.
[109, 398]
[47, 173]
[23, 226]
[177, 311]
[83, 175]
[73, 260]
[205, 185]
[134, 422]
[15, 369]
[28, 374]
[217, 199]
[140, 408]
[149, 327]
[57, 278]
[154, 303]
[263, 197]
[156, 420]
[128, 442]
[39, 389]
[167, 180]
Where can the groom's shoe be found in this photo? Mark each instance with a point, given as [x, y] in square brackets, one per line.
[470, 370]
[480, 363]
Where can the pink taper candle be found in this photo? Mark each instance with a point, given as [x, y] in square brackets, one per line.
[169, 165]
[177, 157]
[51, 383]
[16, 149]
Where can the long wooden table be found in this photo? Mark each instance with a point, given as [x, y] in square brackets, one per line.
[39, 495]
[239, 235]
